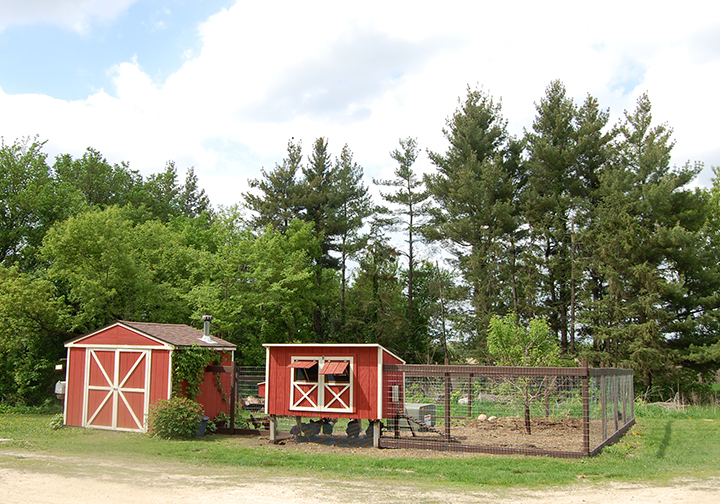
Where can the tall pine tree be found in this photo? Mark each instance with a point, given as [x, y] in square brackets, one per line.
[475, 191]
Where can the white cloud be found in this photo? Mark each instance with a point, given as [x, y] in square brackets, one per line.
[266, 73]
[75, 15]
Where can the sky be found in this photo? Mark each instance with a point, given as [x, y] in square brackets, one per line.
[223, 85]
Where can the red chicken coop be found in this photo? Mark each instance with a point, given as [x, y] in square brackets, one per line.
[332, 380]
[114, 374]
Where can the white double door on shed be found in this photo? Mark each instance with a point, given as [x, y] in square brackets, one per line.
[117, 384]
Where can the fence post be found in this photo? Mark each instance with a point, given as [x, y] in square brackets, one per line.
[470, 395]
[623, 396]
[586, 408]
[603, 401]
[615, 401]
[447, 401]
[233, 397]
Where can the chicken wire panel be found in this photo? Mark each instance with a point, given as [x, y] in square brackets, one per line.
[248, 379]
[611, 406]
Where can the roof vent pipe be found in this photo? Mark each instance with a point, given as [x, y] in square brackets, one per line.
[206, 329]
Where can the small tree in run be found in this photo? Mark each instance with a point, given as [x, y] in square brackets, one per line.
[511, 344]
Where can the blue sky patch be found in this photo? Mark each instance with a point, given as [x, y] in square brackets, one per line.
[63, 64]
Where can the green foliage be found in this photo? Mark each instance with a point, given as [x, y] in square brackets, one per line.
[57, 421]
[31, 337]
[568, 150]
[279, 200]
[376, 306]
[31, 201]
[175, 418]
[351, 198]
[47, 407]
[260, 288]
[188, 368]
[476, 216]
[512, 344]
[100, 183]
[159, 197]
[110, 268]
[408, 198]
[652, 300]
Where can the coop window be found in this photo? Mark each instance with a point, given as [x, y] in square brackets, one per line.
[305, 370]
[336, 371]
[321, 384]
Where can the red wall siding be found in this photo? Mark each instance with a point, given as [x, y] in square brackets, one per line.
[75, 382]
[115, 336]
[210, 397]
[159, 375]
[365, 385]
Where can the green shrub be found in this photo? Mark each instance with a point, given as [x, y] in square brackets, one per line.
[177, 417]
[57, 421]
[50, 406]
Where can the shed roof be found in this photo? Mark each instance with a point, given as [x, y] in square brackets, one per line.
[179, 335]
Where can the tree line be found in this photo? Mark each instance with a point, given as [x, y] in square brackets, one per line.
[579, 222]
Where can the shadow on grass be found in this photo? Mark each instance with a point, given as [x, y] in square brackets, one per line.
[665, 440]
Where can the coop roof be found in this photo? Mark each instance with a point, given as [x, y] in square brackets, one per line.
[178, 335]
[315, 346]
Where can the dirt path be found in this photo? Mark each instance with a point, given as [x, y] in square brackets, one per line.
[27, 478]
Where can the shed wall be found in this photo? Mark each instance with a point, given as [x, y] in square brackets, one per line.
[159, 375]
[213, 400]
[117, 336]
[74, 386]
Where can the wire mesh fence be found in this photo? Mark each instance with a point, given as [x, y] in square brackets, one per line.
[566, 412]
[248, 379]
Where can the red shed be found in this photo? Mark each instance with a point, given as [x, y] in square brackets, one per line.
[331, 380]
[115, 373]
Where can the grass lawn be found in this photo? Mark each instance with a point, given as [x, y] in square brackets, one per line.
[662, 446]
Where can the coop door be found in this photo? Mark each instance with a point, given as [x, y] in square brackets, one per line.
[116, 392]
[322, 384]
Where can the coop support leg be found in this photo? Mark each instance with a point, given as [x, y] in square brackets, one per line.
[273, 429]
[376, 433]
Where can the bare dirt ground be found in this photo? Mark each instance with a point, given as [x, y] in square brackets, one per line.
[509, 432]
[30, 478]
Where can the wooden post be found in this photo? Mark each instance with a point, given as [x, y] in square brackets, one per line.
[447, 401]
[625, 390]
[397, 401]
[615, 400]
[603, 402]
[233, 397]
[376, 433]
[470, 395]
[631, 395]
[586, 408]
